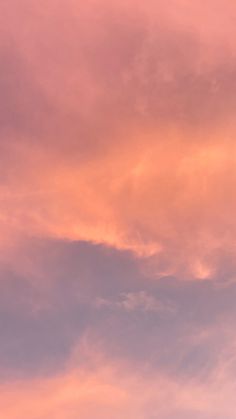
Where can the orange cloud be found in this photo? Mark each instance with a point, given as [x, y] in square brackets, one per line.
[109, 388]
[123, 131]
[172, 202]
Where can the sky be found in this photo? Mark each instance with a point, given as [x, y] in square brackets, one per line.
[117, 209]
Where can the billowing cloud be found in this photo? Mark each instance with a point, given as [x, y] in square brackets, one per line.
[118, 128]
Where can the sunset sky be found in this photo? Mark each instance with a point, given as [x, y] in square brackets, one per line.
[118, 209]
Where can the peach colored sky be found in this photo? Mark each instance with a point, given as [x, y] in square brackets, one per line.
[117, 208]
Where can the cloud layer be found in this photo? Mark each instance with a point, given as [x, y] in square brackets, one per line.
[109, 388]
[117, 168]
[118, 128]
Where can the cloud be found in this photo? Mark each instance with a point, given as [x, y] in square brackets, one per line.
[106, 387]
[122, 130]
[137, 301]
[179, 213]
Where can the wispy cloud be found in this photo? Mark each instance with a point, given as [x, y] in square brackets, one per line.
[106, 387]
[137, 301]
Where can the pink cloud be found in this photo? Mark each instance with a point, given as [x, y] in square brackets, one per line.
[123, 132]
[105, 387]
